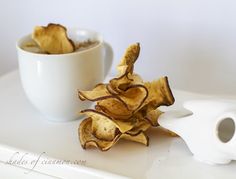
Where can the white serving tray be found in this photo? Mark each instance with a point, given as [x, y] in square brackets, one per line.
[23, 129]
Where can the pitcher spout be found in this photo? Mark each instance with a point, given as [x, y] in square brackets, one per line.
[175, 120]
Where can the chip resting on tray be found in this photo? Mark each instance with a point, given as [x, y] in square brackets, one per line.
[126, 107]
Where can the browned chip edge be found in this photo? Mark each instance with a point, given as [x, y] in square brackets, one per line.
[71, 41]
[103, 98]
[170, 97]
[153, 125]
[84, 145]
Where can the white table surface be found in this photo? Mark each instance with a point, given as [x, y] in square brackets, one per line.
[23, 129]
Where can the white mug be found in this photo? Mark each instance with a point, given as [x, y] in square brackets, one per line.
[51, 82]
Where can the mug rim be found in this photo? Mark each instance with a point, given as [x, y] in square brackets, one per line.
[98, 35]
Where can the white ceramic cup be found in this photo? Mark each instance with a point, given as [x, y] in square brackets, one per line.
[51, 82]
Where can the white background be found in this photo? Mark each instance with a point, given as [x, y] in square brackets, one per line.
[192, 42]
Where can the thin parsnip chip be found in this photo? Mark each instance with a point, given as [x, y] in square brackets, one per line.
[152, 116]
[134, 96]
[114, 108]
[141, 126]
[120, 84]
[87, 139]
[53, 39]
[125, 70]
[98, 93]
[140, 137]
[130, 100]
[159, 93]
[122, 126]
[127, 62]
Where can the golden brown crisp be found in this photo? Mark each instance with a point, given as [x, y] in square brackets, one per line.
[53, 39]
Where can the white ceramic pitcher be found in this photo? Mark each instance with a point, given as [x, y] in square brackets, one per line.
[208, 129]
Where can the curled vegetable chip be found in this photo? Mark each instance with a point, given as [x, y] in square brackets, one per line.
[126, 107]
[141, 126]
[87, 139]
[152, 117]
[98, 93]
[159, 93]
[139, 137]
[149, 115]
[127, 63]
[134, 96]
[120, 84]
[110, 123]
[114, 108]
[53, 39]
[125, 103]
